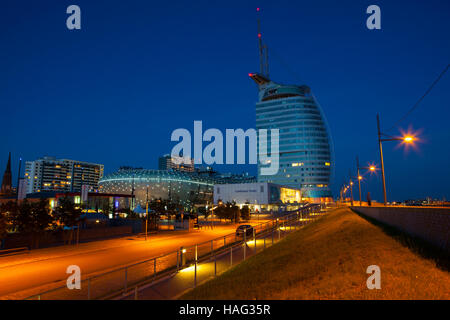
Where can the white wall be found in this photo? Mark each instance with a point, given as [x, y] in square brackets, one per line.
[242, 192]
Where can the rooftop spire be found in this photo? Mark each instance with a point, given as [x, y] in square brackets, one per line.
[263, 50]
[8, 166]
[7, 178]
[263, 75]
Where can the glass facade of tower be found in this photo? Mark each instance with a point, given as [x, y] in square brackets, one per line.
[305, 151]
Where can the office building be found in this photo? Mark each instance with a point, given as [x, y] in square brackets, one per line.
[167, 162]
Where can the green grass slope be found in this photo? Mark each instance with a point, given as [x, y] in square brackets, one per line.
[327, 259]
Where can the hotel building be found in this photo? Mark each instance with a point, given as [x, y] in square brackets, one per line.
[305, 150]
[51, 174]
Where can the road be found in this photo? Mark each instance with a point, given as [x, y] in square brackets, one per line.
[27, 274]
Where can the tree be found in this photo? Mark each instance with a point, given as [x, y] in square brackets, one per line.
[42, 219]
[221, 211]
[7, 212]
[245, 213]
[20, 216]
[130, 213]
[4, 222]
[235, 212]
[68, 215]
[107, 208]
[231, 211]
[204, 211]
[157, 205]
[32, 218]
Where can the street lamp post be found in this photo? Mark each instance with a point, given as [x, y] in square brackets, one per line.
[359, 180]
[351, 191]
[350, 185]
[406, 139]
[381, 159]
[359, 177]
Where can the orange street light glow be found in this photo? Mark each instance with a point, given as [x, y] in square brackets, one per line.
[372, 168]
[409, 138]
[359, 178]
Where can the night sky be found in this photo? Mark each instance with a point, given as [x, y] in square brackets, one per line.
[114, 91]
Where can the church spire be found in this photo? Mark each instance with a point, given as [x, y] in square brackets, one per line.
[8, 166]
[7, 178]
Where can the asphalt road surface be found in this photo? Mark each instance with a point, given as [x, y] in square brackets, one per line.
[27, 274]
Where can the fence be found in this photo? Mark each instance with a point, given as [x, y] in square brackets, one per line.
[12, 251]
[126, 279]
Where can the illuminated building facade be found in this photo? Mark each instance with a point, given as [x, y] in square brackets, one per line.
[51, 174]
[262, 196]
[187, 188]
[305, 150]
[178, 186]
[167, 162]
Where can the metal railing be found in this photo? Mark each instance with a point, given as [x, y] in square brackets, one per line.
[124, 279]
[12, 251]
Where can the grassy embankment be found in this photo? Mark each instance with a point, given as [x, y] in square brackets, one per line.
[328, 259]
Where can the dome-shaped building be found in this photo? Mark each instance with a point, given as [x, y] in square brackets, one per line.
[177, 186]
[186, 188]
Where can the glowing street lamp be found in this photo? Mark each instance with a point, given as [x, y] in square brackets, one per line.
[350, 185]
[409, 139]
[371, 168]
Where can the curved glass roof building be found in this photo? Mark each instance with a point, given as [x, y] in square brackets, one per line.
[186, 188]
[305, 148]
[178, 186]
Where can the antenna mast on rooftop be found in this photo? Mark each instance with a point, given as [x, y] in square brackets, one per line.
[263, 51]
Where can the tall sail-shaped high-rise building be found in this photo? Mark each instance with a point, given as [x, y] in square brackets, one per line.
[305, 149]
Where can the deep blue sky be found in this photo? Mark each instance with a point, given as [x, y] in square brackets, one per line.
[114, 91]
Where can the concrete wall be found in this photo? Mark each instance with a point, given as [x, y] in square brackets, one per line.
[430, 224]
[16, 240]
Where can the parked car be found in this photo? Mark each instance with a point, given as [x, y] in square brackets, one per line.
[248, 230]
